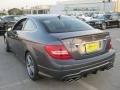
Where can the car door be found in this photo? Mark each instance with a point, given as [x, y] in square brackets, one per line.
[14, 36]
[28, 28]
[108, 20]
[114, 19]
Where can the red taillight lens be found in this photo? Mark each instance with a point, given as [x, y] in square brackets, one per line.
[58, 52]
[110, 44]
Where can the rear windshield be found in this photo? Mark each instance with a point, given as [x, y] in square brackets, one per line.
[61, 25]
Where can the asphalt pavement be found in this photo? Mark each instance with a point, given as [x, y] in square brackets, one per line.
[13, 75]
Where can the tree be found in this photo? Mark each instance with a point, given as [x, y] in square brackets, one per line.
[1, 14]
[15, 11]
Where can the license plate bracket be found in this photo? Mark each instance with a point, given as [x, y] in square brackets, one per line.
[92, 46]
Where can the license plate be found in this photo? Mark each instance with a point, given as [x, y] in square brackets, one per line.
[93, 46]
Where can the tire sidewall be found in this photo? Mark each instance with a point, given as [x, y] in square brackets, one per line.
[35, 76]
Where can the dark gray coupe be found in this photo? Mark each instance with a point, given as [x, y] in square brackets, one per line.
[60, 47]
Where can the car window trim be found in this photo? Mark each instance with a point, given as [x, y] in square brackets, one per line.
[29, 30]
[19, 22]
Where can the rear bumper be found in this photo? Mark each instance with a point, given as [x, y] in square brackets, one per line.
[82, 67]
[89, 70]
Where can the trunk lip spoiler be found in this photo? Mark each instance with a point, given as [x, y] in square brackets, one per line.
[77, 34]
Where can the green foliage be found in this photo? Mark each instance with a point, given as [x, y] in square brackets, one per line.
[15, 11]
[1, 14]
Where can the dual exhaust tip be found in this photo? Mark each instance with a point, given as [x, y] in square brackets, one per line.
[70, 79]
[75, 78]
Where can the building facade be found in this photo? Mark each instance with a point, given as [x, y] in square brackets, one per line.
[117, 8]
[39, 9]
[77, 6]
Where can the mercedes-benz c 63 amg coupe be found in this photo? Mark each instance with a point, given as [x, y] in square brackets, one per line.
[59, 46]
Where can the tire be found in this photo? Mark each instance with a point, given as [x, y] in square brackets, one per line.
[31, 67]
[103, 26]
[7, 46]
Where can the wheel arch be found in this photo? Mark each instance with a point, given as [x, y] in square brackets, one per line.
[27, 51]
[31, 52]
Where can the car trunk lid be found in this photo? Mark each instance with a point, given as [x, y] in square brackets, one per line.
[84, 44]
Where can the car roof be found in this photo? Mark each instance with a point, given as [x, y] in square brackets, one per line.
[44, 16]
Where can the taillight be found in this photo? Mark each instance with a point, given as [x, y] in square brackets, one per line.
[58, 52]
[110, 44]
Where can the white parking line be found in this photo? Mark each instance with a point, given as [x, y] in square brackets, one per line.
[14, 84]
[118, 39]
[88, 86]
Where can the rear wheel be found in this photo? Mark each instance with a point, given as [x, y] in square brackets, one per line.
[103, 26]
[31, 67]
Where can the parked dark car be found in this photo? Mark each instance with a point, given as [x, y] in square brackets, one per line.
[10, 20]
[105, 21]
[2, 26]
[60, 47]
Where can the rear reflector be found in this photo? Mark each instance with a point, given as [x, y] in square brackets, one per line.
[110, 44]
[58, 52]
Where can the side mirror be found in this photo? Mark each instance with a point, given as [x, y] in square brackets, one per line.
[9, 29]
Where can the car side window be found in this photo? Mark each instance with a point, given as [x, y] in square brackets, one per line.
[19, 25]
[29, 26]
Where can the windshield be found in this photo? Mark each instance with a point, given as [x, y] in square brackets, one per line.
[62, 25]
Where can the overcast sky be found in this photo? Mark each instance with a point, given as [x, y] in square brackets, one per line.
[6, 4]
